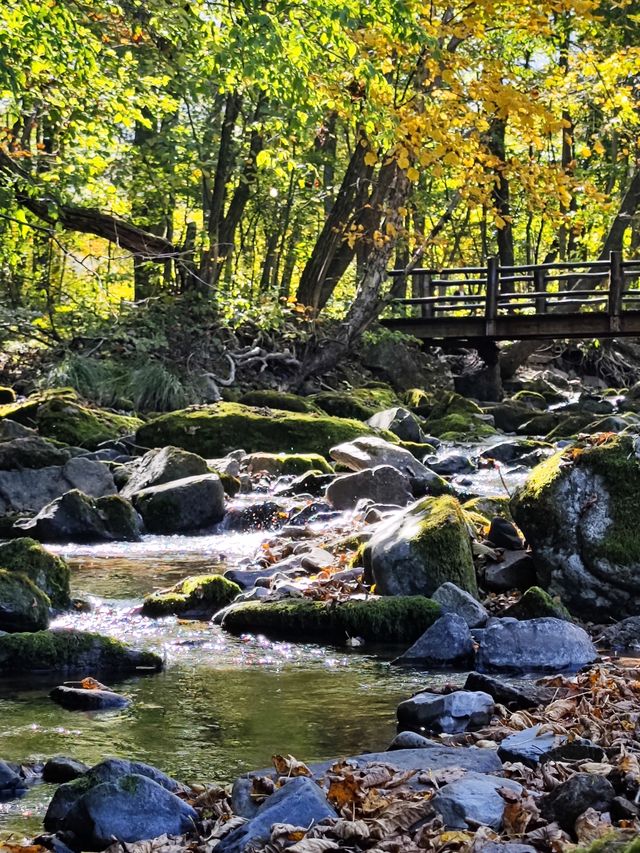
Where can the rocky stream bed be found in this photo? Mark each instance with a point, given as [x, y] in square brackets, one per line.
[405, 608]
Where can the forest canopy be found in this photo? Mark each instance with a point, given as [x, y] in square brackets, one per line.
[268, 154]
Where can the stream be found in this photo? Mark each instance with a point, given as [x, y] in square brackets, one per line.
[224, 704]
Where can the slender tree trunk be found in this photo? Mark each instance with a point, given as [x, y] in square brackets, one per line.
[501, 194]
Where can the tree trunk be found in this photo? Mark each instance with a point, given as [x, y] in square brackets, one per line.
[501, 194]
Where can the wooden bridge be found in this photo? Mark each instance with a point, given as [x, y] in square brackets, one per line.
[577, 299]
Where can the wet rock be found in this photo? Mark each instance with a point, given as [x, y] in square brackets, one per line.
[416, 551]
[536, 604]
[577, 511]
[75, 651]
[12, 429]
[452, 599]
[163, 466]
[545, 645]
[447, 642]
[516, 571]
[267, 515]
[182, 505]
[31, 452]
[23, 607]
[580, 749]
[11, 782]
[503, 534]
[77, 517]
[410, 740]
[81, 699]
[513, 696]
[473, 801]
[61, 769]
[451, 463]
[130, 808]
[573, 797]
[623, 635]
[369, 452]
[312, 483]
[108, 771]
[382, 484]
[28, 490]
[400, 422]
[623, 809]
[311, 513]
[529, 745]
[513, 451]
[460, 711]
[276, 464]
[48, 572]
[301, 802]
[198, 596]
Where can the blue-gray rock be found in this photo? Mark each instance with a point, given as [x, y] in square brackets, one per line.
[10, 780]
[454, 712]
[543, 645]
[301, 802]
[451, 463]
[382, 484]
[80, 699]
[61, 769]
[410, 740]
[129, 809]
[452, 599]
[529, 745]
[503, 534]
[447, 642]
[109, 770]
[473, 801]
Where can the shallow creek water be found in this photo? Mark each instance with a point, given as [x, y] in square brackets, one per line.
[224, 704]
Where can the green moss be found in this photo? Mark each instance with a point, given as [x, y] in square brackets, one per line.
[359, 403]
[541, 424]
[509, 416]
[450, 403]
[278, 400]
[129, 784]
[397, 619]
[119, 516]
[569, 425]
[531, 398]
[537, 604]
[417, 398]
[489, 507]
[218, 429]
[23, 607]
[443, 543]
[417, 449]
[48, 572]
[613, 842]
[201, 593]
[458, 427]
[290, 463]
[70, 650]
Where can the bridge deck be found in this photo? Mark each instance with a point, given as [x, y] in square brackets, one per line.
[581, 299]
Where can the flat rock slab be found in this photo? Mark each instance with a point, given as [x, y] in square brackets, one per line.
[82, 699]
[460, 711]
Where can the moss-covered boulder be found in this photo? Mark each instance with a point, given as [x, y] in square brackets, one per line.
[579, 512]
[31, 452]
[359, 403]
[76, 517]
[59, 414]
[47, 571]
[182, 505]
[454, 418]
[23, 607]
[197, 596]
[532, 399]
[71, 651]
[377, 620]
[418, 550]
[489, 507]
[536, 604]
[269, 399]
[509, 415]
[218, 429]
[287, 463]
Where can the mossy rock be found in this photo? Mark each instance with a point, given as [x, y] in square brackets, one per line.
[201, 595]
[542, 424]
[530, 398]
[417, 399]
[71, 651]
[59, 415]
[459, 427]
[400, 619]
[214, 431]
[278, 400]
[537, 604]
[489, 507]
[613, 842]
[23, 607]
[359, 403]
[7, 395]
[417, 448]
[289, 463]
[579, 512]
[47, 571]
[571, 425]
[509, 416]
[418, 550]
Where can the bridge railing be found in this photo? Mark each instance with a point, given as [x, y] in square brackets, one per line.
[605, 286]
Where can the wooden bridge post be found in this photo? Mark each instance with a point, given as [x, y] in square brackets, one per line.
[616, 289]
[424, 289]
[539, 286]
[491, 304]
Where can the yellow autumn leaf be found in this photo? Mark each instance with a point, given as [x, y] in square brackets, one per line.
[370, 158]
[413, 174]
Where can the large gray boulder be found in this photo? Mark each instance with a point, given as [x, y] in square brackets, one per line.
[163, 465]
[400, 422]
[452, 599]
[31, 451]
[300, 802]
[474, 801]
[447, 642]
[383, 485]
[416, 551]
[542, 645]
[371, 451]
[578, 511]
[460, 711]
[30, 489]
[76, 517]
[182, 505]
